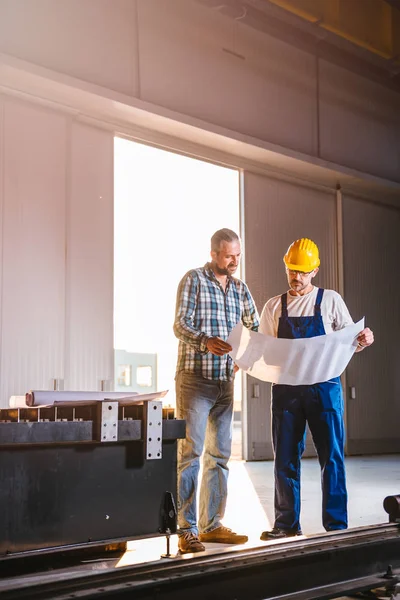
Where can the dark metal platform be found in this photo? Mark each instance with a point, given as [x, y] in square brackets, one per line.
[64, 480]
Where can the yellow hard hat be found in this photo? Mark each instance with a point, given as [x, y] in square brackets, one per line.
[302, 255]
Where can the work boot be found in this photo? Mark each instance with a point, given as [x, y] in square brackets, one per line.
[277, 534]
[223, 535]
[189, 542]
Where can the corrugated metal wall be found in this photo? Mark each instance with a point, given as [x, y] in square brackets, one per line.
[56, 182]
[89, 322]
[353, 130]
[371, 279]
[276, 213]
[187, 58]
[33, 242]
[53, 167]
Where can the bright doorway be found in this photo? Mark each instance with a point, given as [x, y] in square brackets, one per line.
[167, 206]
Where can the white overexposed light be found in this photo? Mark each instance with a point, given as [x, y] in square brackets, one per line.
[167, 207]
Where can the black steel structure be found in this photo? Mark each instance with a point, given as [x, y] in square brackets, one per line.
[80, 480]
[75, 474]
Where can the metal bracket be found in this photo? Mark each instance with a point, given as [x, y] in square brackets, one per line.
[152, 429]
[107, 421]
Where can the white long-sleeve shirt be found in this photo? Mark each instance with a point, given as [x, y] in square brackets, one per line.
[335, 314]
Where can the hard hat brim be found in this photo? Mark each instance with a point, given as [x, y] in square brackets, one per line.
[302, 268]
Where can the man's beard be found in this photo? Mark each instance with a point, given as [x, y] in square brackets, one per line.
[225, 271]
[295, 283]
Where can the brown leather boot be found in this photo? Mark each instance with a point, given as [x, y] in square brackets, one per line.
[189, 542]
[223, 535]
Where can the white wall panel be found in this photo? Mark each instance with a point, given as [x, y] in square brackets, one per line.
[33, 294]
[93, 40]
[371, 239]
[89, 325]
[360, 123]
[2, 110]
[276, 214]
[269, 93]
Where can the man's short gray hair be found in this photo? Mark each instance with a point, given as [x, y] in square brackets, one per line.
[223, 235]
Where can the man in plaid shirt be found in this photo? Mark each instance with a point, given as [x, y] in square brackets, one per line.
[210, 302]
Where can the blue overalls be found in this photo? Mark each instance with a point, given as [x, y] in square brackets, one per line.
[321, 405]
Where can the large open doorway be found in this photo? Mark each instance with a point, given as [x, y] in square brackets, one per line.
[167, 206]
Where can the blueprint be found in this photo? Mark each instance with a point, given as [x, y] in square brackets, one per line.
[294, 362]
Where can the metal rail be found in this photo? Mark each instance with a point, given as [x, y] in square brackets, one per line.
[324, 566]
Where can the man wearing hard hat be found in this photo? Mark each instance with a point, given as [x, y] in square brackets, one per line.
[306, 311]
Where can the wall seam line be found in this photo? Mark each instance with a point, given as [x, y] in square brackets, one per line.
[2, 200]
[246, 454]
[137, 35]
[67, 224]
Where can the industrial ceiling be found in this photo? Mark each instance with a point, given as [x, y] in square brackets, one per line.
[360, 35]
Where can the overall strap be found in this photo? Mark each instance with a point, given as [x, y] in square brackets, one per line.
[317, 307]
[284, 305]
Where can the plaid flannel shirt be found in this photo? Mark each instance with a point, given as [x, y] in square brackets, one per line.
[204, 310]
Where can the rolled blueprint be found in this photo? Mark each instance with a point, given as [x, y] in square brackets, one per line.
[48, 398]
[17, 402]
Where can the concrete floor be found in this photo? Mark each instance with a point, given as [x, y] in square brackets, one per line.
[250, 502]
[251, 492]
[369, 480]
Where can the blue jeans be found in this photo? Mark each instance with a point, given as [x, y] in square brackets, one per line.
[207, 407]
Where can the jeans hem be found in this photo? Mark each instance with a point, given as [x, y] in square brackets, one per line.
[213, 528]
[182, 532]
